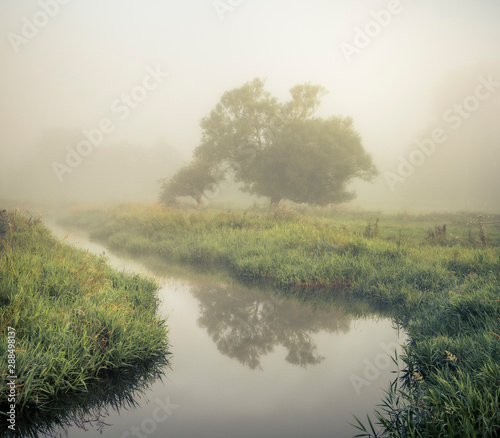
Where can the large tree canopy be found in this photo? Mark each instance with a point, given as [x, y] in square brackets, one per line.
[279, 149]
[311, 161]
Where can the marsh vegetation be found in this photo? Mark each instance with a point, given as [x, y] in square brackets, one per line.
[437, 275]
[85, 334]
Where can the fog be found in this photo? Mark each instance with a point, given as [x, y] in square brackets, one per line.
[421, 81]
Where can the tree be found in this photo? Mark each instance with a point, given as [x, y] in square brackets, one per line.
[191, 180]
[279, 150]
[311, 161]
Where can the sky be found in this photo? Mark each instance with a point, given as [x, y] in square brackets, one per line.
[65, 64]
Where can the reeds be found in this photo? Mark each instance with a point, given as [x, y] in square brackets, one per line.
[76, 319]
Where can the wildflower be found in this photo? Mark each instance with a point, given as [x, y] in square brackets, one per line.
[450, 356]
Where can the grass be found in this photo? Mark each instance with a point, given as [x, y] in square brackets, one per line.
[77, 321]
[438, 275]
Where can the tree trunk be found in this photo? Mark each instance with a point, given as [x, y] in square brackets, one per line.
[275, 200]
[198, 198]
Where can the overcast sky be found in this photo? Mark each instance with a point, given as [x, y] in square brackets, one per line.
[90, 52]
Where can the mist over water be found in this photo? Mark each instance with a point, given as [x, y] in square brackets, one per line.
[101, 100]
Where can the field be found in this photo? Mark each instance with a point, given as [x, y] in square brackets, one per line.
[436, 274]
[77, 325]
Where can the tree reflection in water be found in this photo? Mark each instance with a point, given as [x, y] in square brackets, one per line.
[247, 324]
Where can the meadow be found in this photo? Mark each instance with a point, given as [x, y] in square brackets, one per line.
[437, 275]
[78, 323]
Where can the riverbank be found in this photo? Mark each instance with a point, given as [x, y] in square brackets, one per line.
[77, 322]
[440, 283]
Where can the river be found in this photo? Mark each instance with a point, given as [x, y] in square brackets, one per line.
[248, 363]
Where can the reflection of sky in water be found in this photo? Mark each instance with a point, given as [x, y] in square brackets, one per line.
[219, 395]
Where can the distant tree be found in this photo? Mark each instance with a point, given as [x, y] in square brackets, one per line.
[311, 161]
[191, 180]
[279, 150]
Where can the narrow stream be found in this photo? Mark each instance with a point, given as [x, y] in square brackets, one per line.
[248, 363]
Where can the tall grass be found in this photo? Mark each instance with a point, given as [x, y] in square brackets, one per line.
[437, 274]
[77, 321]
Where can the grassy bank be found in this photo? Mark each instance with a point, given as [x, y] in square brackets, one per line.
[440, 283]
[77, 322]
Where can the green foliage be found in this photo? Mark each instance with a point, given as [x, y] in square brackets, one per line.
[311, 161]
[192, 180]
[483, 238]
[4, 222]
[76, 319]
[437, 235]
[371, 230]
[450, 384]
